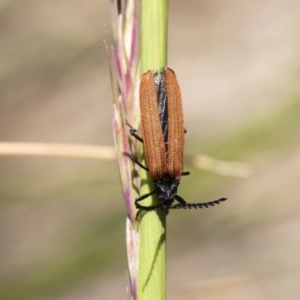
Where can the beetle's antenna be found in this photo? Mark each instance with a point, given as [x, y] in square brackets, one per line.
[197, 205]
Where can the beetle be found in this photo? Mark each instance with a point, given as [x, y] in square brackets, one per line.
[163, 138]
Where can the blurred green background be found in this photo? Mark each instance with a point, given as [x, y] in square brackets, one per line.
[62, 221]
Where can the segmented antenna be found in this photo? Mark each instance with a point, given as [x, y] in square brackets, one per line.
[198, 205]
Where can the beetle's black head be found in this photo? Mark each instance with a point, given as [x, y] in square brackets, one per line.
[166, 189]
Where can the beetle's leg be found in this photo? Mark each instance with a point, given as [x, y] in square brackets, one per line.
[133, 132]
[135, 160]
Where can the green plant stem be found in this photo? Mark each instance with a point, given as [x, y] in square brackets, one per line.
[151, 273]
[154, 21]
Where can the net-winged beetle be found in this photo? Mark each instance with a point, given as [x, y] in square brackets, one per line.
[163, 138]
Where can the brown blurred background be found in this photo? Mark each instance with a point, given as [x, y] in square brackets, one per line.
[62, 220]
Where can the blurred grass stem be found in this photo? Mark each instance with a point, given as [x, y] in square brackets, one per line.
[108, 153]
